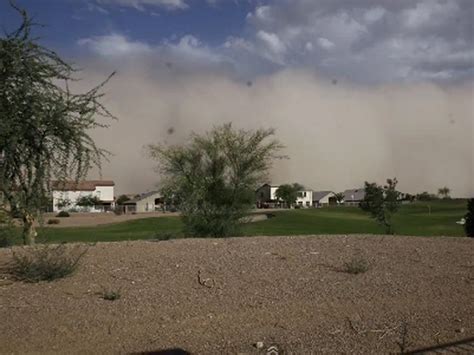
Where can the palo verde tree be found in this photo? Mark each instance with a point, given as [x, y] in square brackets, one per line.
[44, 127]
[382, 202]
[288, 193]
[212, 178]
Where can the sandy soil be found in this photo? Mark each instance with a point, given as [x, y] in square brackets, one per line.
[96, 219]
[224, 296]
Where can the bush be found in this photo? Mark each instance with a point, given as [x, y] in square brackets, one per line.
[62, 214]
[111, 295]
[357, 265]
[53, 221]
[164, 236]
[7, 236]
[45, 263]
[118, 210]
[469, 224]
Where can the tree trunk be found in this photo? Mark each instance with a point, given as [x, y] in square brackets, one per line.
[29, 230]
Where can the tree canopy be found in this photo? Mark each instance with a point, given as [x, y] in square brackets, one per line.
[382, 202]
[44, 127]
[289, 193]
[212, 178]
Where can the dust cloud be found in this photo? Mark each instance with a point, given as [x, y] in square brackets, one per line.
[336, 134]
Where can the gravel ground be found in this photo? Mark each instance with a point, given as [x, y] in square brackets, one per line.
[210, 296]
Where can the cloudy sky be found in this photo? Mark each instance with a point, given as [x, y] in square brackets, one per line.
[392, 79]
[364, 41]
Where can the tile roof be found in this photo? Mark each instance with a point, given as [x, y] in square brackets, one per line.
[85, 185]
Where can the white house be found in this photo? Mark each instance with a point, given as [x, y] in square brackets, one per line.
[67, 193]
[146, 202]
[305, 198]
[323, 198]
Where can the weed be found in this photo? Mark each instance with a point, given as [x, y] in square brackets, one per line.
[53, 221]
[45, 263]
[111, 295]
[357, 265]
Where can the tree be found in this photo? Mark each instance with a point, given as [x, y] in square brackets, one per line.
[44, 127]
[88, 201]
[288, 193]
[444, 192]
[381, 202]
[339, 197]
[469, 223]
[212, 178]
[122, 199]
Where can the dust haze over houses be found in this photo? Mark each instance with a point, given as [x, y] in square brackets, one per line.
[356, 90]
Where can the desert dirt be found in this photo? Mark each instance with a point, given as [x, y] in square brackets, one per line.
[225, 296]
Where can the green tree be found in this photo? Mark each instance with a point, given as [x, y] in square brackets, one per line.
[44, 127]
[382, 202]
[469, 223]
[212, 178]
[288, 193]
[88, 201]
[339, 197]
[444, 192]
[122, 199]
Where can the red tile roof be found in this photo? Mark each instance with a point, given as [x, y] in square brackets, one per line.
[85, 185]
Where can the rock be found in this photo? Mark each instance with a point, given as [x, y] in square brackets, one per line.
[259, 345]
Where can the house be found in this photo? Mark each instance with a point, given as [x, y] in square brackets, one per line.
[324, 198]
[305, 198]
[354, 196]
[146, 202]
[67, 193]
[266, 196]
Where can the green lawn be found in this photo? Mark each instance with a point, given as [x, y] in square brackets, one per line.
[414, 219]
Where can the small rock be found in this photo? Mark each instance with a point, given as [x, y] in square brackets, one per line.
[259, 345]
[460, 330]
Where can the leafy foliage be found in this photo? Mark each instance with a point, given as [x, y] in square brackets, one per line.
[289, 193]
[212, 179]
[381, 202]
[88, 201]
[444, 192]
[339, 197]
[122, 199]
[63, 214]
[469, 224]
[44, 127]
[45, 263]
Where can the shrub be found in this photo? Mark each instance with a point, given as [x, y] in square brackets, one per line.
[62, 214]
[111, 295]
[357, 265]
[8, 234]
[53, 221]
[469, 224]
[118, 210]
[164, 236]
[45, 263]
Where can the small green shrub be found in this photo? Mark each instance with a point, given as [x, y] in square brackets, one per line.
[53, 221]
[357, 265]
[111, 295]
[7, 236]
[45, 263]
[469, 223]
[164, 236]
[62, 214]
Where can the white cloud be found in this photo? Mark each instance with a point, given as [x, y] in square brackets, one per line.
[114, 45]
[325, 43]
[140, 4]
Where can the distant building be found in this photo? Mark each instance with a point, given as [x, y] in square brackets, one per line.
[146, 202]
[354, 196]
[67, 193]
[305, 198]
[324, 198]
[266, 196]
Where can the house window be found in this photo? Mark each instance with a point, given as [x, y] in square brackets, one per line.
[304, 194]
[307, 203]
[300, 203]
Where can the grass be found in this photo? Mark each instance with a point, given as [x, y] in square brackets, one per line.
[414, 219]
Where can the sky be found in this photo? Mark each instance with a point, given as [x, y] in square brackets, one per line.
[357, 89]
